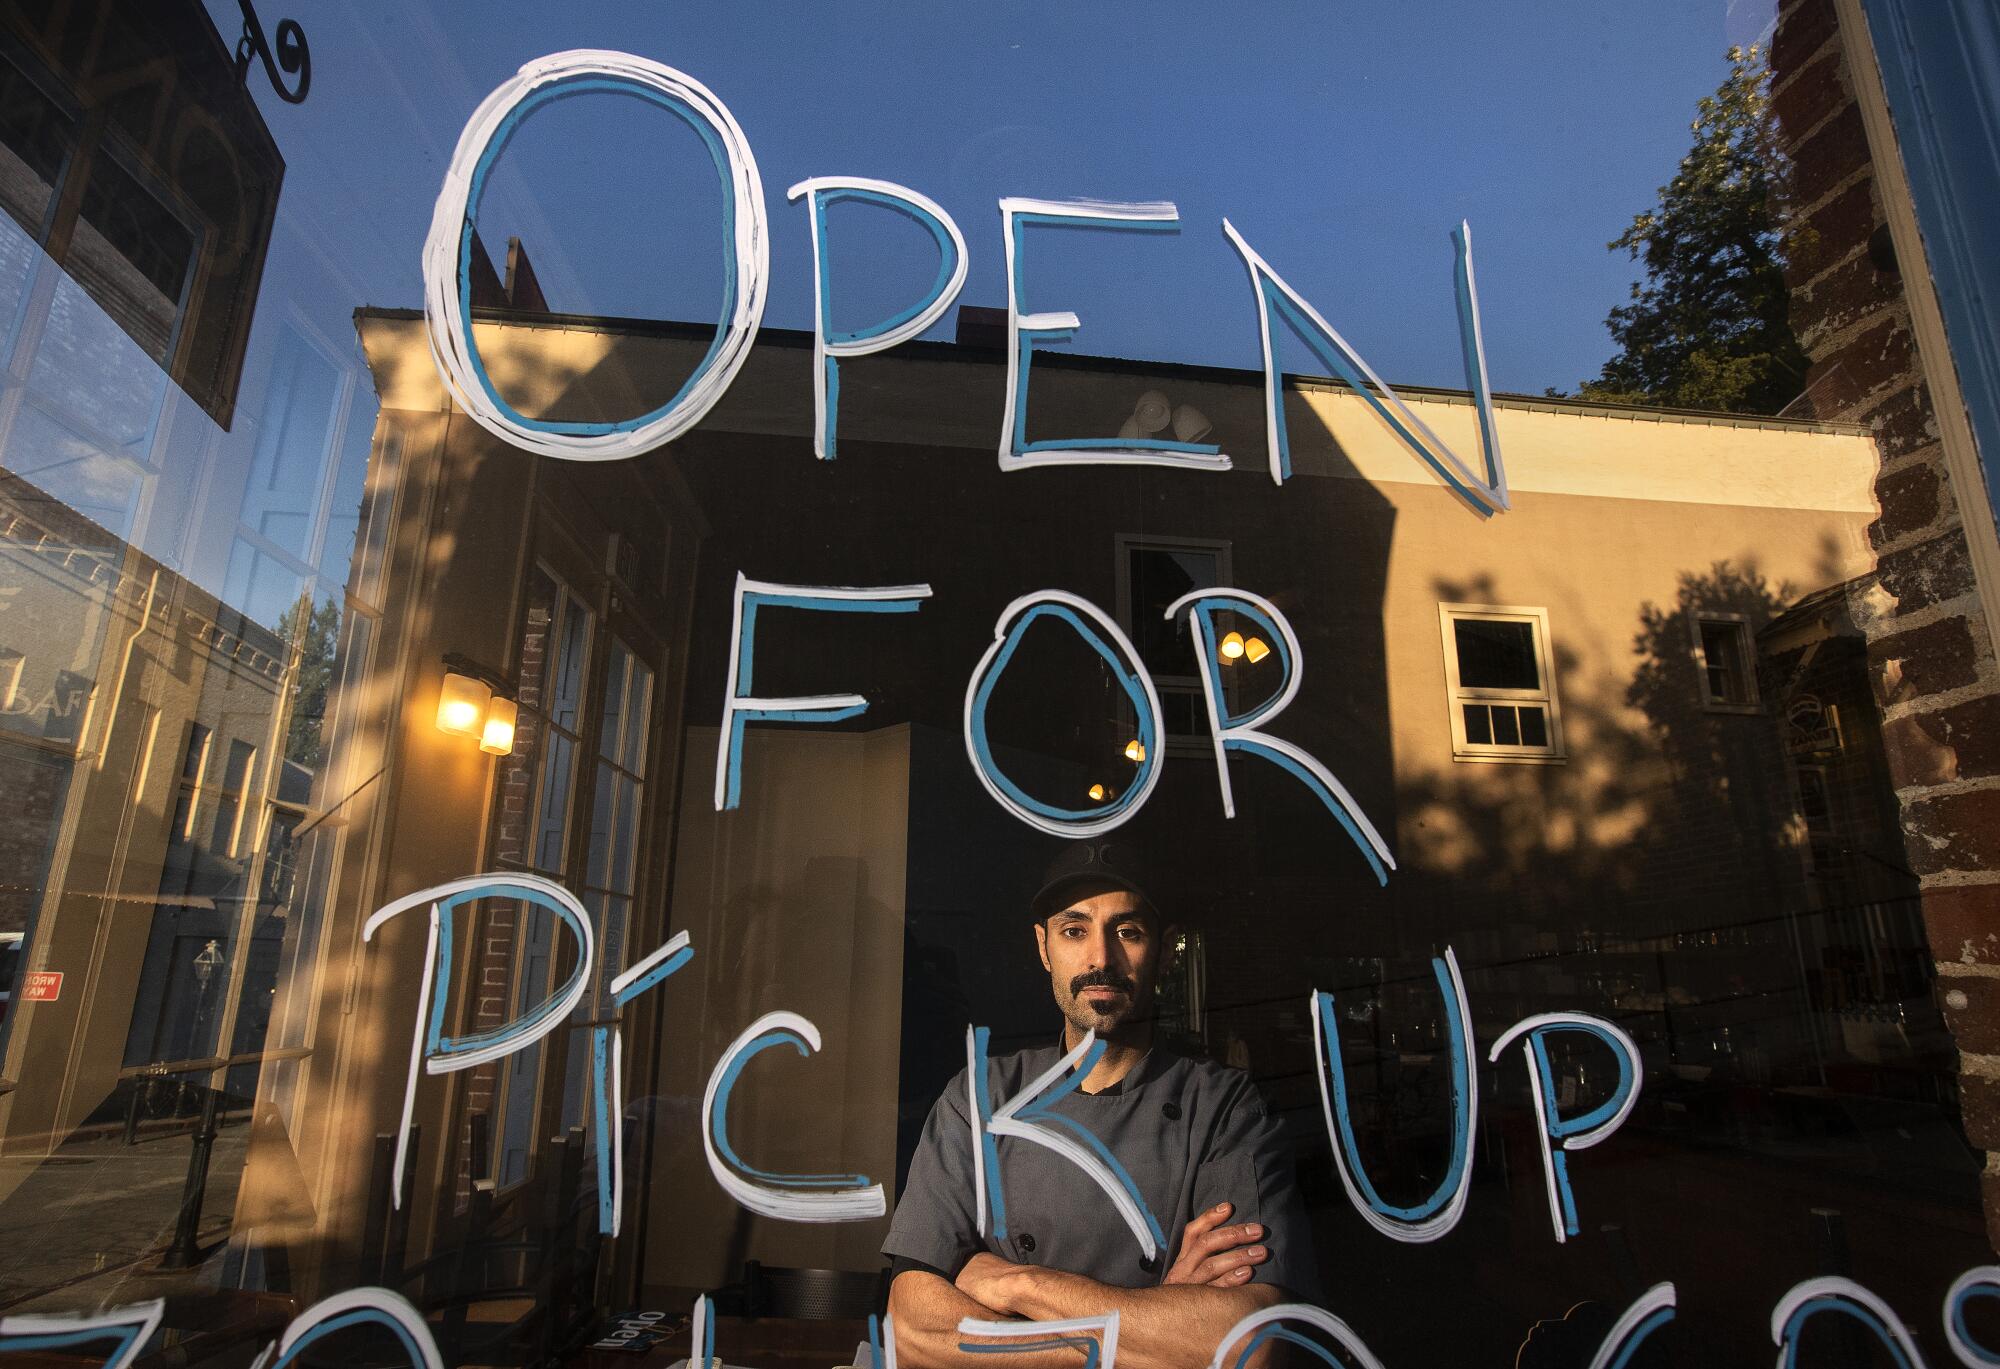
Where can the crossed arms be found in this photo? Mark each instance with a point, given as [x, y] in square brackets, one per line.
[1174, 1326]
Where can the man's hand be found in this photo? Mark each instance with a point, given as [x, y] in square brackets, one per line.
[1217, 1255]
[988, 1279]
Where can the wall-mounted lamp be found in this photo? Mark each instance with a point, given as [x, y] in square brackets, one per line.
[1099, 793]
[1234, 648]
[470, 704]
[462, 704]
[1135, 751]
[1191, 424]
[496, 738]
[1155, 413]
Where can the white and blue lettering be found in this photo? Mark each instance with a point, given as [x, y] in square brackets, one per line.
[740, 706]
[1485, 493]
[1268, 1323]
[429, 1046]
[1096, 1337]
[1024, 330]
[447, 255]
[356, 1307]
[788, 1197]
[829, 346]
[1559, 1133]
[130, 1328]
[1109, 641]
[1022, 1117]
[1438, 1213]
[1229, 731]
[1650, 1311]
[1980, 1281]
[1846, 1298]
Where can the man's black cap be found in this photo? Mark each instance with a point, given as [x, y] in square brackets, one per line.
[1115, 864]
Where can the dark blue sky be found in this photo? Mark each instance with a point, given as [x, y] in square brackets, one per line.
[1344, 142]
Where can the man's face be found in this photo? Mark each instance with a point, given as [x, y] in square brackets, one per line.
[1104, 954]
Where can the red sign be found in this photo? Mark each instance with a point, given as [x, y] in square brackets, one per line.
[41, 986]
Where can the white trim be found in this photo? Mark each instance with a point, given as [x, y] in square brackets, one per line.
[1752, 702]
[1456, 694]
[1934, 357]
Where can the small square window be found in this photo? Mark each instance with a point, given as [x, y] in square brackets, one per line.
[1154, 572]
[1501, 687]
[1724, 663]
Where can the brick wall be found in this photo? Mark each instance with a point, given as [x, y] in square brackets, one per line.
[499, 918]
[1930, 648]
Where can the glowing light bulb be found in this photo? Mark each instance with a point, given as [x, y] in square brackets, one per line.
[1135, 751]
[462, 704]
[1099, 793]
[496, 738]
[1232, 646]
[1255, 650]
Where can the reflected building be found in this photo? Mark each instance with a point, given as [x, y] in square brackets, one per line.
[175, 551]
[1622, 743]
[1579, 727]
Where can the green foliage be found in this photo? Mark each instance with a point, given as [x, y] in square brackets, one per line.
[1709, 327]
[314, 632]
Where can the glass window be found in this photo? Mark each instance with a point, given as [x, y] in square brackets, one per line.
[822, 539]
[1501, 693]
[1722, 655]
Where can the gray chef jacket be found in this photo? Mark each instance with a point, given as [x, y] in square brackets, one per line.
[1190, 1134]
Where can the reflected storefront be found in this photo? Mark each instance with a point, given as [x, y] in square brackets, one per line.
[522, 802]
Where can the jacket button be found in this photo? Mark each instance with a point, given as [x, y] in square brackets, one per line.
[1172, 1111]
[1027, 1243]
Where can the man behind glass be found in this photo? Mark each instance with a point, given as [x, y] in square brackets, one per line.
[1193, 1136]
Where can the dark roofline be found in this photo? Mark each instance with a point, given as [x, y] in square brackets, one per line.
[1069, 361]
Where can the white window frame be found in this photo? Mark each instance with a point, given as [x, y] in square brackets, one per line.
[1457, 694]
[1186, 681]
[1741, 623]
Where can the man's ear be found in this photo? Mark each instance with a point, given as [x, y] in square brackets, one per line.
[1042, 942]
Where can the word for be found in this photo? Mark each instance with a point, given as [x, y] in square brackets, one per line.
[1231, 732]
[746, 258]
[130, 1328]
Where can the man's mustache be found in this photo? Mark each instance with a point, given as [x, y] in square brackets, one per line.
[1103, 979]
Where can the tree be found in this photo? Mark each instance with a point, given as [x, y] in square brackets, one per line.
[313, 632]
[1710, 326]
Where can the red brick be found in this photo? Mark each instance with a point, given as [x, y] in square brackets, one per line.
[1979, 1103]
[1954, 832]
[1960, 743]
[1910, 502]
[1809, 97]
[1905, 422]
[1927, 573]
[1830, 156]
[1834, 230]
[1915, 755]
[1964, 923]
[1799, 35]
[1867, 365]
[1989, 1191]
[1976, 1026]
[1929, 660]
[1840, 299]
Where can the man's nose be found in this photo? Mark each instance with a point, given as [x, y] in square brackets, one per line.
[1106, 953]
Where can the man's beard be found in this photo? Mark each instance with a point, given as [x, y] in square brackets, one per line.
[1085, 1017]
